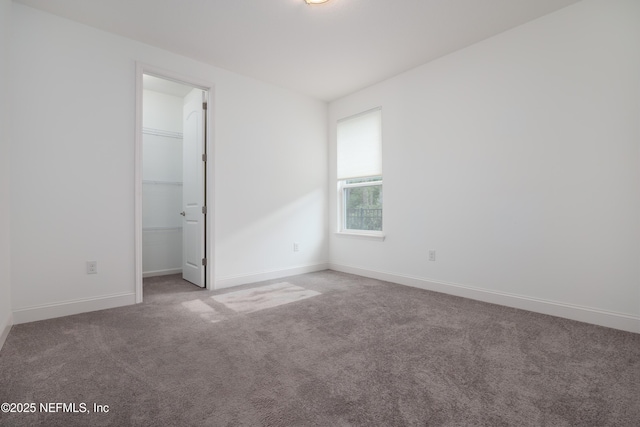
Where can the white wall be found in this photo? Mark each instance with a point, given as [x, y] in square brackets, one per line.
[5, 152]
[162, 111]
[271, 181]
[517, 160]
[161, 193]
[73, 168]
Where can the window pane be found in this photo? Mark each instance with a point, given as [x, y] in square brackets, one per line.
[363, 208]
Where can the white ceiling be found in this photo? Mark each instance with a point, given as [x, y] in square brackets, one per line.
[326, 51]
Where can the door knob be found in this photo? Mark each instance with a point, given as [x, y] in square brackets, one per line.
[183, 213]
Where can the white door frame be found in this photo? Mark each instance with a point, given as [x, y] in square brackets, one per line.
[142, 69]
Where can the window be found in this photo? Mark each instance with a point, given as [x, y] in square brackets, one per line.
[359, 155]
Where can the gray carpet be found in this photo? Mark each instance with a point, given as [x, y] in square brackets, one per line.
[362, 352]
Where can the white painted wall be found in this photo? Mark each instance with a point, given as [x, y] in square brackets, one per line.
[161, 171]
[5, 153]
[271, 182]
[162, 111]
[73, 168]
[517, 160]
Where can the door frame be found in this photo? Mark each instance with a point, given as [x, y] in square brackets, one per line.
[141, 69]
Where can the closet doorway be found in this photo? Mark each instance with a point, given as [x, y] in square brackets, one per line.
[173, 149]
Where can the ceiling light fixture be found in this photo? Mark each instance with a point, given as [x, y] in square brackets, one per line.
[315, 1]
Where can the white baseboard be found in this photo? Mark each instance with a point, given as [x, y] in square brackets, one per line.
[230, 281]
[608, 319]
[67, 308]
[161, 272]
[5, 327]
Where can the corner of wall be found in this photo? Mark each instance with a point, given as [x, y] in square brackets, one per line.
[5, 328]
[6, 319]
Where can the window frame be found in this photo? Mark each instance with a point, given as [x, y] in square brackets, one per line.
[342, 210]
[343, 186]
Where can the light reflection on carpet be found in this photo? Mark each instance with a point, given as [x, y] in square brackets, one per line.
[255, 299]
[204, 310]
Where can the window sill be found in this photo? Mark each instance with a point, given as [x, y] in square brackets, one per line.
[365, 236]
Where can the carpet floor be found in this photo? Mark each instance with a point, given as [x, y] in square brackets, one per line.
[320, 349]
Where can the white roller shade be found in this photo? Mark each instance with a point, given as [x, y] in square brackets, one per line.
[360, 145]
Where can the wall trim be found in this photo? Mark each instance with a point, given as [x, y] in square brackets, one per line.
[162, 272]
[594, 316]
[67, 308]
[244, 279]
[5, 328]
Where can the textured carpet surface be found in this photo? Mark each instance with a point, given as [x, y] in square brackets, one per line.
[363, 353]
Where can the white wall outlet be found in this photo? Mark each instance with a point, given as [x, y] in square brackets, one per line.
[296, 247]
[432, 255]
[92, 267]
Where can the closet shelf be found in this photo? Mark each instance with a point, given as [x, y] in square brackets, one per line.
[144, 181]
[161, 228]
[160, 132]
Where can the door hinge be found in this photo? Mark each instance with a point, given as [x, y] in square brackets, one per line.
[204, 105]
[204, 157]
[204, 262]
[204, 210]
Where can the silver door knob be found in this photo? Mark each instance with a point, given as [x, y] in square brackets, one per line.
[183, 213]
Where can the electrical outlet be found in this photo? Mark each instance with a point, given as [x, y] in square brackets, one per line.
[432, 255]
[92, 267]
[296, 247]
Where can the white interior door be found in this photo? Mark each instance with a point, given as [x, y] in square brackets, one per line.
[193, 193]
